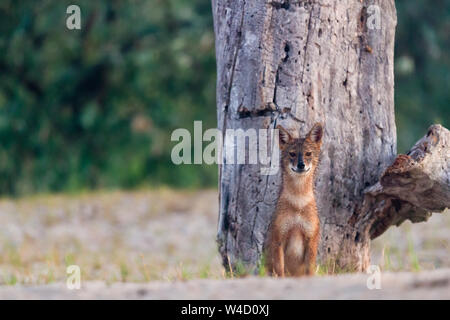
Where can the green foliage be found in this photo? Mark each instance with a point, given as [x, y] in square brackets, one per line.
[422, 68]
[94, 108]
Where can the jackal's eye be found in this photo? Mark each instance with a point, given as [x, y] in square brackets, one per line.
[308, 154]
[292, 154]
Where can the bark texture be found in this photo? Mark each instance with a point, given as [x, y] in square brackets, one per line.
[295, 63]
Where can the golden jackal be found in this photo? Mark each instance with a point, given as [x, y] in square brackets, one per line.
[293, 236]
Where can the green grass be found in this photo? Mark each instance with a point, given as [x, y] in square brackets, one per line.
[261, 266]
[412, 254]
[10, 280]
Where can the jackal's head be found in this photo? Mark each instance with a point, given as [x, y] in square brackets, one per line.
[300, 156]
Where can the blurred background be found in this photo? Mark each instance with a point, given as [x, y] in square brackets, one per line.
[94, 109]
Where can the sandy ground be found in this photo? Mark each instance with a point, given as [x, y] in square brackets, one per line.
[423, 285]
[162, 237]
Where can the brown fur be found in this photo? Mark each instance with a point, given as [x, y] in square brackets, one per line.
[293, 236]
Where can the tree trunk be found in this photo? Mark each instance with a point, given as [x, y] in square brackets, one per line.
[295, 63]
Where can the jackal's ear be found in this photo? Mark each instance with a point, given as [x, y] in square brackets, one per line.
[284, 136]
[316, 133]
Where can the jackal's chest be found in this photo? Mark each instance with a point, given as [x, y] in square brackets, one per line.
[308, 226]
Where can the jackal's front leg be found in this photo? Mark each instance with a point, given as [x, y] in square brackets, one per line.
[278, 260]
[310, 256]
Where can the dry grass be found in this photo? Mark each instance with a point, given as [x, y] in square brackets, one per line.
[156, 235]
[415, 247]
[119, 236]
